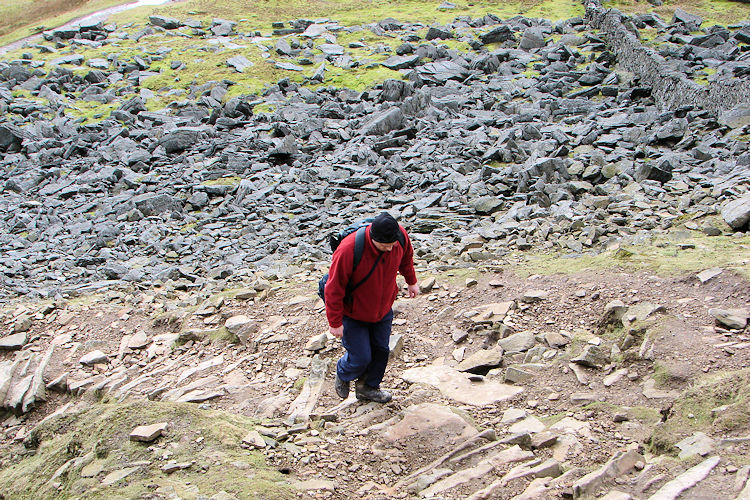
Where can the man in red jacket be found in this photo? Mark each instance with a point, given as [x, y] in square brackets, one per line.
[363, 321]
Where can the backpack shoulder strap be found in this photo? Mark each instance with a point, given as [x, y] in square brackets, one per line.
[401, 238]
[359, 247]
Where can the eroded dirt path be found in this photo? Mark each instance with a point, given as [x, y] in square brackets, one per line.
[94, 17]
[574, 417]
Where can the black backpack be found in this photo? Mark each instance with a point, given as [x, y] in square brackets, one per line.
[359, 247]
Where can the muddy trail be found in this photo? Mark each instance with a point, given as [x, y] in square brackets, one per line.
[546, 386]
[88, 19]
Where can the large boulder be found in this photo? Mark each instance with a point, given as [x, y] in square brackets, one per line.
[532, 38]
[691, 21]
[10, 137]
[154, 204]
[168, 23]
[181, 139]
[496, 35]
[737, 117]
[382, 123]
[736, 213]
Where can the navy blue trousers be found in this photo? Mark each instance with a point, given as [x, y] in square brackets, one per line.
[367, 350]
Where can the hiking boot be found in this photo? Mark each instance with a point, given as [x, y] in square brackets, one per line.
[342, 388]
[367, 393]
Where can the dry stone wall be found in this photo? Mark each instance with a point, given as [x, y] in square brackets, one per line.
[670, 88]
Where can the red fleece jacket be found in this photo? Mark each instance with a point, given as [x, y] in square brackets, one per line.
[373, 298]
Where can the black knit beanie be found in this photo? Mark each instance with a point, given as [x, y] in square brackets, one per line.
[384, 228]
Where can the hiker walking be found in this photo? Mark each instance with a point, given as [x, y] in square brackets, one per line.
[358, 303]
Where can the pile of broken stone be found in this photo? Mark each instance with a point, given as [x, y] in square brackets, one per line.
[531, 139]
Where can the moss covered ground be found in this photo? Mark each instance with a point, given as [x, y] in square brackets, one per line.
[716, 403]
[669, 254]
[83, 447]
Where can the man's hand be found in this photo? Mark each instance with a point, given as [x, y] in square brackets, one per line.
[337, 332]
[413, 290]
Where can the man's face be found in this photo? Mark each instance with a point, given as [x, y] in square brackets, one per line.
[384, 247]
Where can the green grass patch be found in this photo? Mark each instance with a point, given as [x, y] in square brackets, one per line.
[458, 276]
[661, 255]
[98, 437]
[90, 111]
[661, 374]
[648, 34]
[701, 76]
[223, 181]
[551, 420]
[264, 107]
[560, 9]
[359, 79]
[458, 45]
[222, 335]
[715, 404]
[644, 414]
[201, 65]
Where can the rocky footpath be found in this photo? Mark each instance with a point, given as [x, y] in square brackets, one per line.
[532, 137]
[575, 385]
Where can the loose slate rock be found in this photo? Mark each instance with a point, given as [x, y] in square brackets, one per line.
[697, 444]
[254, 439]
[173, 466]
[730, 318]
[147, 433]
[481, 361]
[556, 340]
[531, 296]
[331, 49]
[708, 274]
[289, 66]
[118, 475]
[13, 342]
[139, 340]
[532, 38]
[736, 213]
[518, 342]
[431, 425]
[93, 358]
[154, 204]
[401, 62]
[385, 122]
[168, 23]
[317, 342]
[593, 356]
[737, 117]
[500, 34]
[457, 386]
[240, 63]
